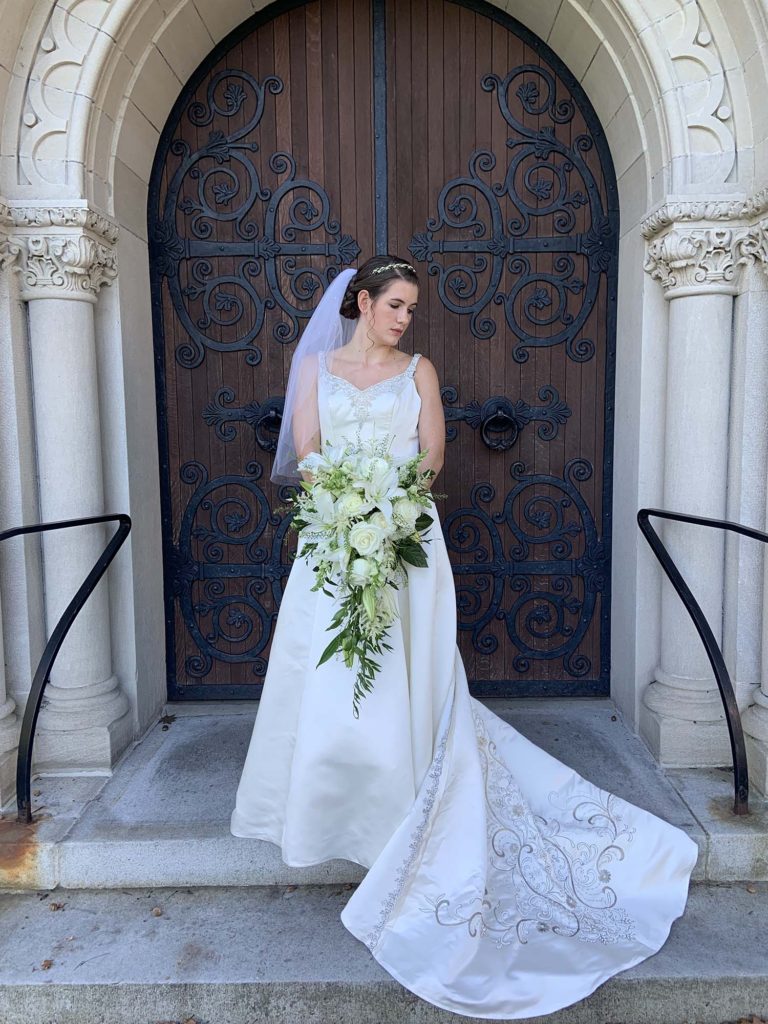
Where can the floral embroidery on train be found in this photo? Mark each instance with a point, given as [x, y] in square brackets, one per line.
[540, 877]
[427, 798]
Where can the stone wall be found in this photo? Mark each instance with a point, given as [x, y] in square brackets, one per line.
[86, 86]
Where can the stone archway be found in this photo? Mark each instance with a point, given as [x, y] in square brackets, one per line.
[671, 83]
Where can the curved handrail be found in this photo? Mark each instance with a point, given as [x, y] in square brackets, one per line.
[70, 613]
[715, 655]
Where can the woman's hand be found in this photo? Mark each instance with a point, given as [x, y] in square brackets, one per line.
[431, 416]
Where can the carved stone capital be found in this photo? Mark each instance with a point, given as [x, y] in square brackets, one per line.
[692, 261]
[700, 245]
[753, 245]
[65, 252]
[9, 250]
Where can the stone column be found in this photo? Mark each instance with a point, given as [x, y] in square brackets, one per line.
[9, 735]
[748, 462]
[9, 723]
[682, 718]
[755, 718]
[67, 255]
[755, 433]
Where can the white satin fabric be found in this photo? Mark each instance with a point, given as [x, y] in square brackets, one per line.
[501, 884]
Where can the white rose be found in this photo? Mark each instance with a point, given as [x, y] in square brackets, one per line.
[366, 537]
[361, 466]
[377, 465]
[349, 505]
[405, 513]
[360, 571]
[382, 522]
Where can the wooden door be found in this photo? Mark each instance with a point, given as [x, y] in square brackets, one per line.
[444, 133]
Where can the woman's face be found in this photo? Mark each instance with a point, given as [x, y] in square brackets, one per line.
[390, 313]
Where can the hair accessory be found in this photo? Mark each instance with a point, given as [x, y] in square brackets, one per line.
[392, 266]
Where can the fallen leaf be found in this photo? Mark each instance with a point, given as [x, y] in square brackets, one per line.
[291, 888]
[46, 965]
[752, 888]
[56, 906]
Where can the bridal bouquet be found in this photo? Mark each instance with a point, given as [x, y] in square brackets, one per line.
[363, 518]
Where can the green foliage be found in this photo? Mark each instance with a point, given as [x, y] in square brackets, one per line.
[362, 489]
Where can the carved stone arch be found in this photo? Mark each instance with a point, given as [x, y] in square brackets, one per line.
[100, 52]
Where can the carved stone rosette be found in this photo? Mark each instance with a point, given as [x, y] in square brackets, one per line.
[62, 252]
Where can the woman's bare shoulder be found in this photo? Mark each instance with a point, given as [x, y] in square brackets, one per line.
[425, 370]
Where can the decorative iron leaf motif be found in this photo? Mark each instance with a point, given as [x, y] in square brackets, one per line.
[168, 249]
[264, 417]
[511, 416]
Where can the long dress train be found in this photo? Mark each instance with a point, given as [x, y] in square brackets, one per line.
[501, 884]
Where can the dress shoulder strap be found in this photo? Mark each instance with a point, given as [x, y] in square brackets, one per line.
[411, 369]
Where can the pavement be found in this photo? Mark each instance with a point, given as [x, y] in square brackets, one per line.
[279, 955]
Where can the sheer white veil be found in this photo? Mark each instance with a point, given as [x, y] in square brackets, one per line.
[327, 329]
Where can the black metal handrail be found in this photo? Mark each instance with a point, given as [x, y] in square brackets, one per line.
[714, 653]
[35, 698]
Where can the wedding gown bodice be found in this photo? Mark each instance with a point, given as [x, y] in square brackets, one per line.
[388, 408]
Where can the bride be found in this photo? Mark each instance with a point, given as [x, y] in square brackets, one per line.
[500, 883]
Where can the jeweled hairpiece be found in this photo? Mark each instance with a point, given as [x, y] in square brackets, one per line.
[393, 266]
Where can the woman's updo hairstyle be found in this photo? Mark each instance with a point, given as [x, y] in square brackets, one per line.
[374, 277]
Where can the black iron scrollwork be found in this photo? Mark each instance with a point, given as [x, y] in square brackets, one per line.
[222, 284]
[554, 540]
[264, 417]
[547, 176]
[500, 420]
[226, 516]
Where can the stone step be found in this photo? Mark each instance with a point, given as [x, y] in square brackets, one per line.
[162, 819]
[276, 955]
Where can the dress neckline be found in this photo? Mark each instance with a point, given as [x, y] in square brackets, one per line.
[376, 383]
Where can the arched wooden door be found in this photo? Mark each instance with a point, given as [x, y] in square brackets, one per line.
[446, 133]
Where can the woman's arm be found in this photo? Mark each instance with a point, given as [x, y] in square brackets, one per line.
[431, 417]
[306, 417]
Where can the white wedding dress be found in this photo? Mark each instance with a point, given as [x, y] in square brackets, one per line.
[501, 884]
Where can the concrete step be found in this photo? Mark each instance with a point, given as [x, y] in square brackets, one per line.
[243, 955]
[162, 819]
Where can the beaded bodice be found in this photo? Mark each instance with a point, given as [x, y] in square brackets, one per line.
[390, 407]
